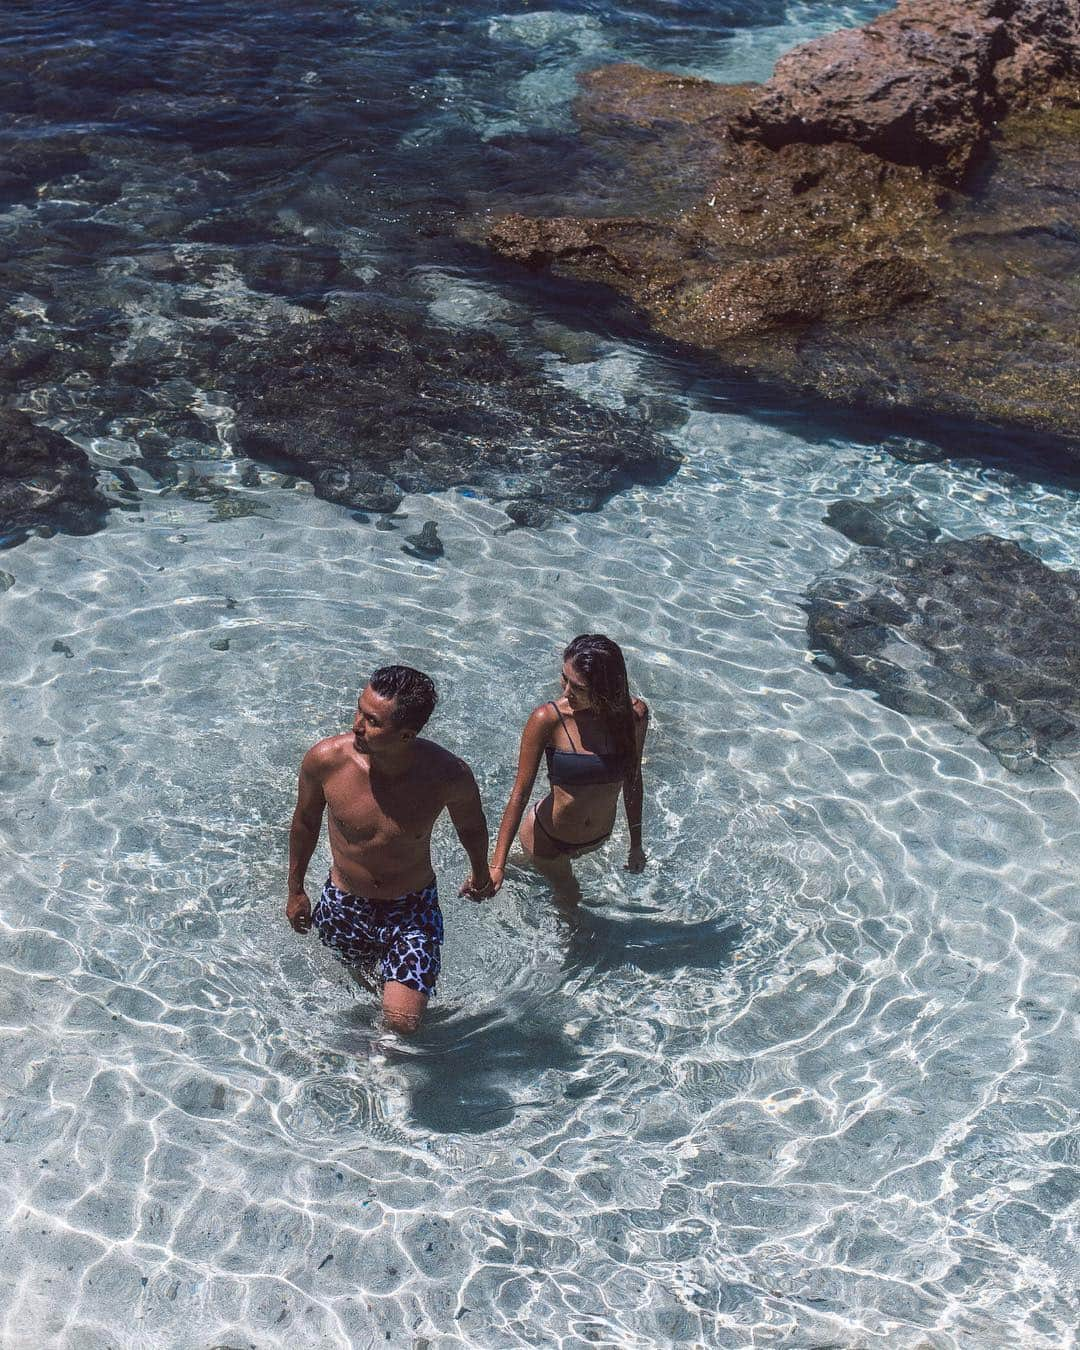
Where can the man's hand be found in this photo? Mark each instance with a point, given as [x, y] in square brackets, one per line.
[636, 861]
[298, 911]
[478, 888]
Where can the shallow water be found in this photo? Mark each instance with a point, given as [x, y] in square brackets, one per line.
[809, 1081]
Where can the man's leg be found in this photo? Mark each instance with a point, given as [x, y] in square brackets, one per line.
[402, 1007]
[412, 962]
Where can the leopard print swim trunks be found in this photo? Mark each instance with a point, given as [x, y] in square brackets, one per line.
[405, 935]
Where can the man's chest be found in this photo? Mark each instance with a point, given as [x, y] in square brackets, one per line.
[363, 814]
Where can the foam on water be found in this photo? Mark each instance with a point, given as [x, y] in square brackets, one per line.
[751, 53]
[804, 1082]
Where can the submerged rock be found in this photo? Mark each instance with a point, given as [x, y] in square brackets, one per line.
[912, 450]
[977, 631]
[425, 543]
[376, 402]
[527, 515]
[45, 482]
[892, 220]
[882, 522]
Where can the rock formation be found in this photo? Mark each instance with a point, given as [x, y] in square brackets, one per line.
[975, 631]
[922, 84]
[892, 220]
[45, 482]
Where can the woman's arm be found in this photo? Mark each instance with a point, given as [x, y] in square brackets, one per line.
[533, 739]
[634, 791]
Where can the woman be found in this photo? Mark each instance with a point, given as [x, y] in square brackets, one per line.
[592, 739]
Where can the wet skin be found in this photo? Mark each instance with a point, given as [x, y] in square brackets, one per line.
[582, 813]
[383, 788]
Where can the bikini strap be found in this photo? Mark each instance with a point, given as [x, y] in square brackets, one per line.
[565, 728]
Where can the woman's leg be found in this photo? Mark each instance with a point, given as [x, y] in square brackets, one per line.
[553, 866]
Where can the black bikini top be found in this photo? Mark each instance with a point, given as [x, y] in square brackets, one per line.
[577, 768]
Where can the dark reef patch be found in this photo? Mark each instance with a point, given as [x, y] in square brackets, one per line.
[882, 522]
[45, 482]
[977, 631]
[377, 402]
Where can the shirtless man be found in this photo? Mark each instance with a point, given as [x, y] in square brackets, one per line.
[385, 787]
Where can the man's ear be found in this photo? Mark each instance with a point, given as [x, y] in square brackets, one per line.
[407, 734]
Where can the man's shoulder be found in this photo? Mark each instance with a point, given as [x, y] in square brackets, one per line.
[442, 764]
[327, 754]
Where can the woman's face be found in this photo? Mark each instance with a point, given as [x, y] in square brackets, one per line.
[575, 688]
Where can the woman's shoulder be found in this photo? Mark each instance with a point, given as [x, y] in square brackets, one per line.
[543, 716]
[549, 711]
[641, 709]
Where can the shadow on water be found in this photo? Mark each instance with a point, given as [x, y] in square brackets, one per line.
[461, 1067]
[598, 943]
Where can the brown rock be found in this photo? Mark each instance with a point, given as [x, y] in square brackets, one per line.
[799, 289]
[1042, 47]
[920, 84]
[691, 294]
[644, 97]
[782, 238]
[823, 265]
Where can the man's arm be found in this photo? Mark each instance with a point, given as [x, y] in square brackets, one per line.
[467, 814]
[304, 835]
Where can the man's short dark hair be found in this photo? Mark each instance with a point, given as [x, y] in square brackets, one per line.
[413, 693]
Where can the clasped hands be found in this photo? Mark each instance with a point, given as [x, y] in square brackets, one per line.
[298, 908]
[474, 888]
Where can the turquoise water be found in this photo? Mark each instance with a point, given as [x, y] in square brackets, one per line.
[809, 1081]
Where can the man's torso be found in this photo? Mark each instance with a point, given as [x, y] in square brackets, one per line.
[380, 828]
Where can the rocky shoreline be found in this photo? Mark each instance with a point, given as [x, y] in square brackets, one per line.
[892, 221]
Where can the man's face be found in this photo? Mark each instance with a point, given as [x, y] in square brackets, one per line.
[374, 728]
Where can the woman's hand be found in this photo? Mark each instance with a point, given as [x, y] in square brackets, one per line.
[497, 874]
[477, 888]
[636, 861]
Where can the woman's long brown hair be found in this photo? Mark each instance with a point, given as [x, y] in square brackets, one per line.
[599, 662]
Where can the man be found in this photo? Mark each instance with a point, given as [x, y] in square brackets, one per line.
[385, 787]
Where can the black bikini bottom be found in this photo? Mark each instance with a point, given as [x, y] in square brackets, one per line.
[564, 846]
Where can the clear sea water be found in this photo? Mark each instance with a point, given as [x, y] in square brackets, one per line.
[810, 1081]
